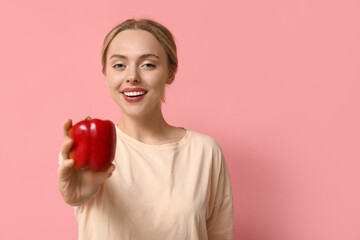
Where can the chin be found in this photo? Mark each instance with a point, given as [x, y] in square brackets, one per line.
[135, 113]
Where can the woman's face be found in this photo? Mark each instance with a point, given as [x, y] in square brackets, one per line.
[135, 59]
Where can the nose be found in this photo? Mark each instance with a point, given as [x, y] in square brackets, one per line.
[133, 76]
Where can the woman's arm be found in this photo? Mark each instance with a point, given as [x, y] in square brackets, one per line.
[220, 221]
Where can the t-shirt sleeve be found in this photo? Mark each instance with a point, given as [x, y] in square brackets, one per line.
[220, 212]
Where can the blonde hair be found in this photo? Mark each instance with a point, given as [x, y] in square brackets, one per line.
[161, 33]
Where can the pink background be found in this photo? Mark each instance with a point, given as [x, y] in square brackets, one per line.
[276, 83]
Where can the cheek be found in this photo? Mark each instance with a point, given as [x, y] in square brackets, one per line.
[159, 88]
[160, 81]
[113, 83]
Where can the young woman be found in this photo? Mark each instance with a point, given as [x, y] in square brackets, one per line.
[166, 182]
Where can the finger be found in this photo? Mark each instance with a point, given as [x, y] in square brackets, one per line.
[66, 169]
[102, 176]
[110, 169]
[66, 126]
[66, 147]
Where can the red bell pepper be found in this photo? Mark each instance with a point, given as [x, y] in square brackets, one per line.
[94, 144]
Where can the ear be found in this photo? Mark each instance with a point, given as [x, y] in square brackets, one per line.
[169, 81]
[171, 78]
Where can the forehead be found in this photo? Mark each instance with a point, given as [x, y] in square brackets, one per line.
[135, 43]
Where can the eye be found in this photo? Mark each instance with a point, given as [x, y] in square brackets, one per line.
[150, 65]
[118, 65]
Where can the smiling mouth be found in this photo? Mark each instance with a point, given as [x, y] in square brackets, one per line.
[134, 94]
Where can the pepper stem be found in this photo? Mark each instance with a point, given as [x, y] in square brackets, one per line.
[88, 118]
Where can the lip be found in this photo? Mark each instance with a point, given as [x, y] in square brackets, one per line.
[134, 90]
[134, 99]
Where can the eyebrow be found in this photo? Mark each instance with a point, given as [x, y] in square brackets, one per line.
[142, 56]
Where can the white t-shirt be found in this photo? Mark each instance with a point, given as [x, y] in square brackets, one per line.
[173, 191]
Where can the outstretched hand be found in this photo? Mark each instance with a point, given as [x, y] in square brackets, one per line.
[77, 186]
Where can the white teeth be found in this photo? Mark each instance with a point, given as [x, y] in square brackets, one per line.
[134, 93]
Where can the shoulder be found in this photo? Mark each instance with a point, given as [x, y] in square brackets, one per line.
[201, 140]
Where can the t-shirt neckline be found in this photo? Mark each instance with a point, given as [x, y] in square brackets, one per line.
[170, 145]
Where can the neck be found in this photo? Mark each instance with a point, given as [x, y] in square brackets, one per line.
[149, 128]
